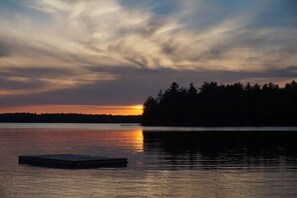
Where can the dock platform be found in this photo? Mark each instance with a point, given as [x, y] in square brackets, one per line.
[72, 161]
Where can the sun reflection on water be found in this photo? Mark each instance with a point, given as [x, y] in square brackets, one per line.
[137, 137]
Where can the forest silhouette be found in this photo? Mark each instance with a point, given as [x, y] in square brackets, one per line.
[214, 104]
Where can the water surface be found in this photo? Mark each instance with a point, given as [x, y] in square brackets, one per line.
[163, 162]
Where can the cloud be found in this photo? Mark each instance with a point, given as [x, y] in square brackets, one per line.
[120, 51]
[27, 81]
[5, 49]
[134, 85]
[197, 35]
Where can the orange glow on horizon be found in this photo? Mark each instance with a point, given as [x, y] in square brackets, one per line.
[83, 109]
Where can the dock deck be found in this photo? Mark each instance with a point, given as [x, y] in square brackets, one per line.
[72, 161]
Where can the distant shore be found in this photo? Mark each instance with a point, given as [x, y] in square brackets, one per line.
[67, 118]
[90, 118]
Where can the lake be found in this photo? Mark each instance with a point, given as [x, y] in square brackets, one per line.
[163, 161]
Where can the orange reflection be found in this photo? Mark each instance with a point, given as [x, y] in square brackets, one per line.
[68, 138]
[84, 109]
[137, 137]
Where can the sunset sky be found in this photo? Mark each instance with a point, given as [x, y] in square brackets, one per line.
[108, 56]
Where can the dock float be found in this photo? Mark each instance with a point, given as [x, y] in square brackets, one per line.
[72, 161]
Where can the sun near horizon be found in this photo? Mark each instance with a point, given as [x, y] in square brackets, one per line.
[81, 109]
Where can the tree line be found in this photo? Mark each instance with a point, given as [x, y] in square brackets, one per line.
[214, 104]
[67, 118]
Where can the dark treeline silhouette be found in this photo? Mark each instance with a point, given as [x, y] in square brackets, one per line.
[67, 118]
[223, 105]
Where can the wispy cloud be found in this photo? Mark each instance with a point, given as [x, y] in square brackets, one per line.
[52, 45]
[110, 33]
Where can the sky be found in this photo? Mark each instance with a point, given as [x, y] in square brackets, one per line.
[108, 56]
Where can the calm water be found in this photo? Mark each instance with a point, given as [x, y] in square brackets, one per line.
[163, 162]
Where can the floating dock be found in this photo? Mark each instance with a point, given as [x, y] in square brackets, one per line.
[71, 161]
